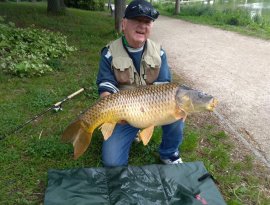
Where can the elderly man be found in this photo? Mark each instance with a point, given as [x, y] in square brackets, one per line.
[130, 61]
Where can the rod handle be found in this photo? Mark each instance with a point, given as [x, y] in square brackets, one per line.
[76, 93]
[69, 97]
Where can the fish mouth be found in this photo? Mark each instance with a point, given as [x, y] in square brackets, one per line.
[213, 104]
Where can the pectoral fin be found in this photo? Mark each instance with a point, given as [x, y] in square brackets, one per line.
[107, 129]
[146, 134]
[180, 114]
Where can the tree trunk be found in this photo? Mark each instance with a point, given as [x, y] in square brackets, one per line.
[120, 6]
[109, 4]
[62, 4]
[56, 6]
[177, 7]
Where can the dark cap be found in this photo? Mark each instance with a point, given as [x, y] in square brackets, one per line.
[138, 8]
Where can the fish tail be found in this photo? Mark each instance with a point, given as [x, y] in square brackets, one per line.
[77, 134]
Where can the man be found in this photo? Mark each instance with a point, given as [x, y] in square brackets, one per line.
[130, 61]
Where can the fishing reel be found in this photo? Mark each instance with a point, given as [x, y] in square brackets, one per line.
[57, 108]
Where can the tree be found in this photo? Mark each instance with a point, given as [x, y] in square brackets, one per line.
[120, 6]
[177, 7]
[56, 6]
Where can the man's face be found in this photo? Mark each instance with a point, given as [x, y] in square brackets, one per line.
[137, 30]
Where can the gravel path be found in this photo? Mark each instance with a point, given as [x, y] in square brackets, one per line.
[232, 67]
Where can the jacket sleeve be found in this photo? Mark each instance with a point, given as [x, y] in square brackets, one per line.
[165, 73]
[105, 77]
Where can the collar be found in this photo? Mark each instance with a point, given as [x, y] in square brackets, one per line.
[129, 48]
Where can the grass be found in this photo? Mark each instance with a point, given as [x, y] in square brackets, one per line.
[27, 155]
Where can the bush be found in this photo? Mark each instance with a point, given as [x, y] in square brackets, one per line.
[30, 52]
[93, 5]
[229, 16]
[236, 17]
[168, 7]
[197, 10]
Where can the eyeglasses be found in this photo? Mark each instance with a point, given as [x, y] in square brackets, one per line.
[153, 13]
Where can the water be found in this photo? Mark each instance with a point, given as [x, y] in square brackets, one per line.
[257, 8]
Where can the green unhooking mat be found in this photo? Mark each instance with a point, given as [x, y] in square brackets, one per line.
[185, 184]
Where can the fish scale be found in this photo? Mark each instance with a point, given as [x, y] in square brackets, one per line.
[144, 107]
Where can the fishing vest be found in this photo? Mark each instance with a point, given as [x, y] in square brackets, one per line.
[124, 69]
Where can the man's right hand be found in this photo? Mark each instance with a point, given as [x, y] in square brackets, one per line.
[104, 94]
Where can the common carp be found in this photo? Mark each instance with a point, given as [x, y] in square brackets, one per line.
[143, 107]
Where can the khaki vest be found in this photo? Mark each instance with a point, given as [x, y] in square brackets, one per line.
[124, 69]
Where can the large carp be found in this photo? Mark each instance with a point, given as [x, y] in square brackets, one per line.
[142, 107]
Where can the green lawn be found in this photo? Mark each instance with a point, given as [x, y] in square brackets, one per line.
[26, 156]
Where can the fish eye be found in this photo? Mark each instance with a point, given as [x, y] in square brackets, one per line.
[202, 94]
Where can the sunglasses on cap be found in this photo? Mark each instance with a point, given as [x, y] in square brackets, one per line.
[142, 10]
[148, 11]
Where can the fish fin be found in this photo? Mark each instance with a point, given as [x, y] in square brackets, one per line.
[146, 134]
[107, 129]
[77, 134]
[180, 114]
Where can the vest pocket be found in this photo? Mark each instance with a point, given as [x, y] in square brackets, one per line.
[151, 70]
[123, 70]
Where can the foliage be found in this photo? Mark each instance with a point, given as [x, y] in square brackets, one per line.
[197, 10]
[29, 51]
[222, 16]
[22, 0]
[93, 5]
[235, 17]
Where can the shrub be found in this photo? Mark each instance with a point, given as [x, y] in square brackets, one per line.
[236, 17]
[197, 10]
[29, 52]
[257, 19]
[93, 5]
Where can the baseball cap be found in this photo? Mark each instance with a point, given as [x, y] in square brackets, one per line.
[138, 8]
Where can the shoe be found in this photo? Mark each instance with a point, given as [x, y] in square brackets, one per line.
[137, 139]
[174, 159]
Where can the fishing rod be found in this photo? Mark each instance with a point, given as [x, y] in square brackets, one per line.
[56, 107]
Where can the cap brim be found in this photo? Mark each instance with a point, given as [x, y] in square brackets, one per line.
[140, 15]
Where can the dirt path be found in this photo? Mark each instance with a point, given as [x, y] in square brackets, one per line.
[234, 68]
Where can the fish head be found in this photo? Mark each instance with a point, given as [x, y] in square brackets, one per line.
[191, 100]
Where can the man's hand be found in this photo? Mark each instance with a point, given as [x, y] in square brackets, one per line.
[104, 94]
[122, 122]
